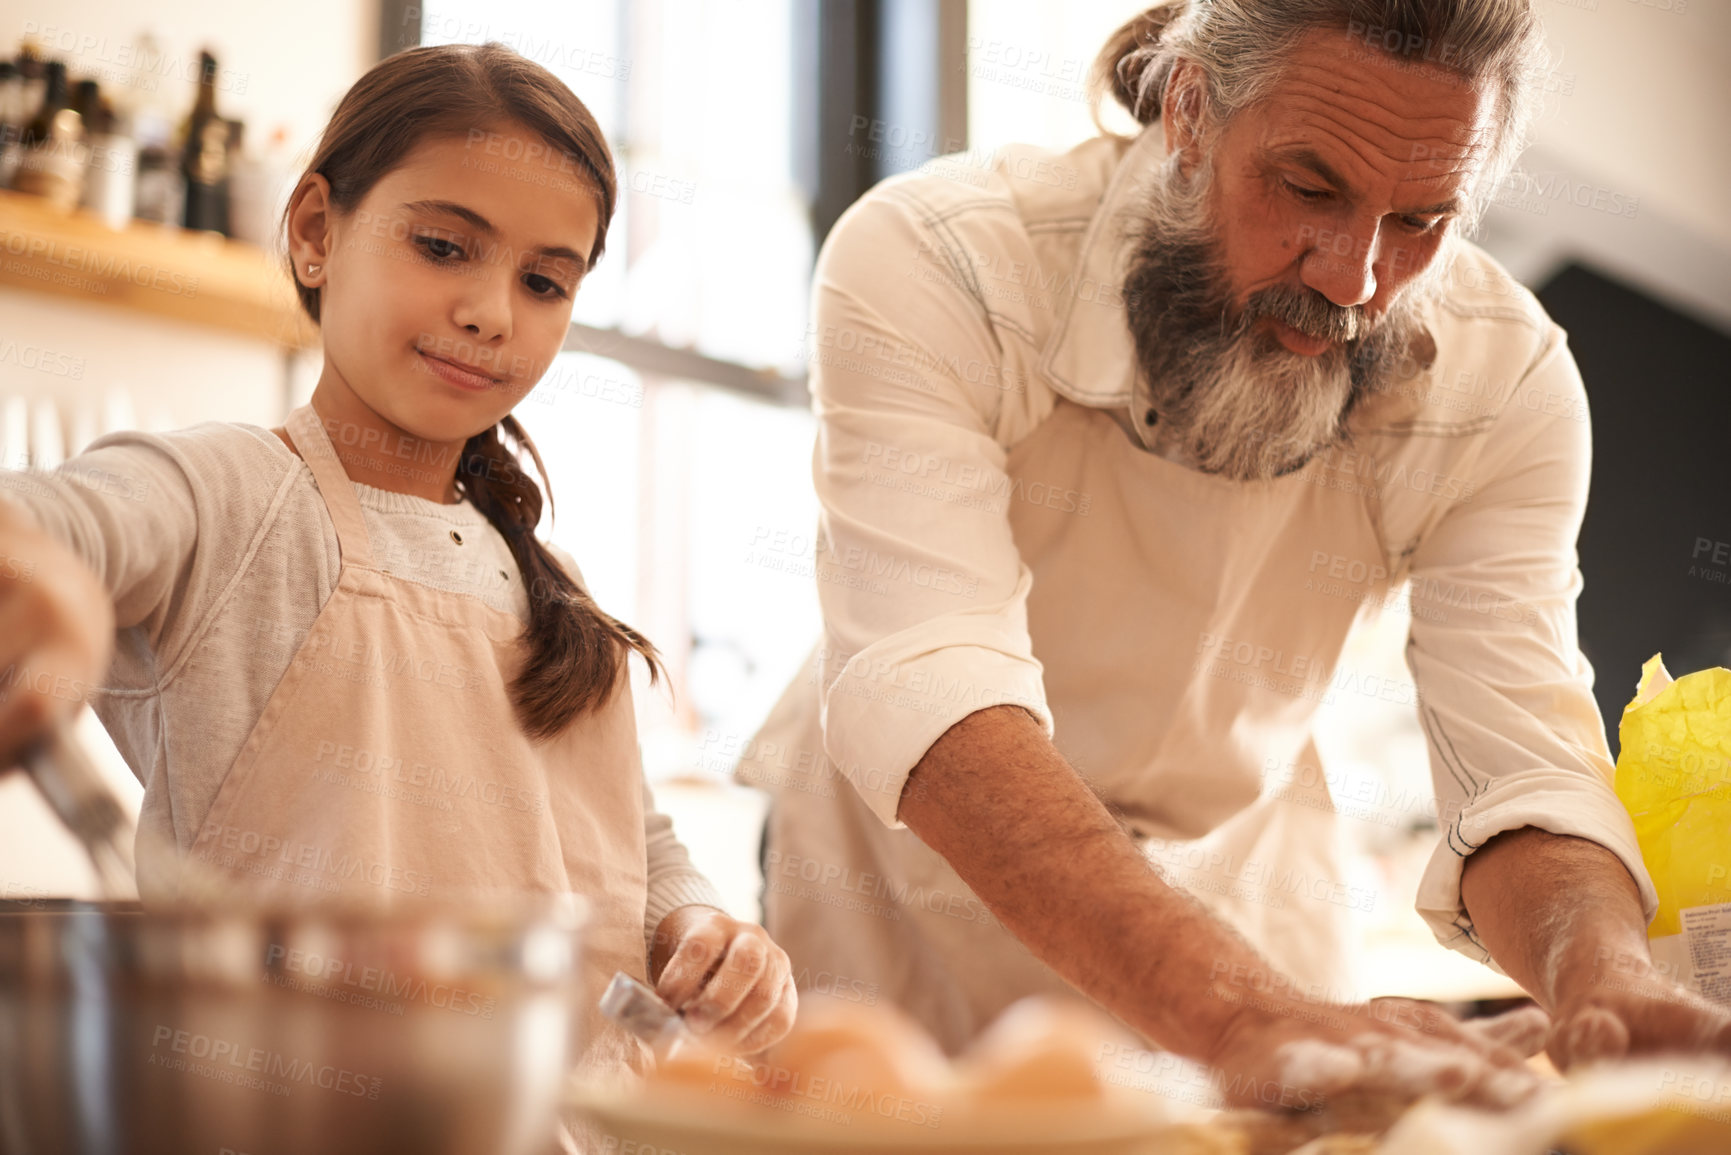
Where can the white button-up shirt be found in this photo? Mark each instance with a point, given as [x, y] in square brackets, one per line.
[995, 529]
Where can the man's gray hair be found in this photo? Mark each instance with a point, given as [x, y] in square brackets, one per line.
[1241, 46]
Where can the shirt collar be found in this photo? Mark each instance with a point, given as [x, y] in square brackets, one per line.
[1091, 358]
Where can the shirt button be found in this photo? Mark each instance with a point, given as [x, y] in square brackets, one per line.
[456, 537]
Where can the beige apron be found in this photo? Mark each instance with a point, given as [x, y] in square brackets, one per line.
[1200, 768]
[388, 765]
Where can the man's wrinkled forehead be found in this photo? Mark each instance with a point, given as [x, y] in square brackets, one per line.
[1373, 119]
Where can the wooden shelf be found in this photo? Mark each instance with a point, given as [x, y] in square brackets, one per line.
[199, 277]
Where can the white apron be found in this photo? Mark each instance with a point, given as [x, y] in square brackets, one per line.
[1129, 606]
[396, 704]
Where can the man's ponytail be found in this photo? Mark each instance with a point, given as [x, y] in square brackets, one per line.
[1121, 69]
[576, 651]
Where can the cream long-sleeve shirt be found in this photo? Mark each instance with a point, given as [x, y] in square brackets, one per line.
[1174, 631]
[219, 553]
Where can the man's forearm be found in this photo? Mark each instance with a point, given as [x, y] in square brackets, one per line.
[1552, 908]
[1024, 831]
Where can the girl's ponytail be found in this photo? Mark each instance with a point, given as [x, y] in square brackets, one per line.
[577, 651]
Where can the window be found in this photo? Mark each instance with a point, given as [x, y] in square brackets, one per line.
[685, 506]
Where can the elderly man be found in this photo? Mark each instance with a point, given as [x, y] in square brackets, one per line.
[1114, 448]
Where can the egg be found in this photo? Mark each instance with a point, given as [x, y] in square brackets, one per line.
[856, 1050]
[1041, 1049]
[692, 1063]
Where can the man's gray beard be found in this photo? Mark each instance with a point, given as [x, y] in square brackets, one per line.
[1231, 397]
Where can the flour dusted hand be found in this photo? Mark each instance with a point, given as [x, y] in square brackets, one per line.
[1294, 1057]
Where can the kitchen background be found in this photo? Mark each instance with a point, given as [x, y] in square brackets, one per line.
[675, 427]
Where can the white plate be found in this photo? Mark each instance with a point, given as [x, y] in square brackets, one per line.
[691, 1121]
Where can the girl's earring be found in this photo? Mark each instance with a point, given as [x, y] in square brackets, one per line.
[313, 270]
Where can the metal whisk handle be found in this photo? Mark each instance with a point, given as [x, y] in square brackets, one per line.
[77, 792]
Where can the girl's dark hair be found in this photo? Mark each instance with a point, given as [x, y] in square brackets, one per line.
[576, 651]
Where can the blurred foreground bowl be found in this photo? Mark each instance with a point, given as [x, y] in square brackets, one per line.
[426, 1030]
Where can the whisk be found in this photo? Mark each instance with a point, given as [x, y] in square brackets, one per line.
[77, 792]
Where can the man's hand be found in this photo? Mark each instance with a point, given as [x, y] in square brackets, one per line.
[1620, 1004]
[732, 985]
[1563, 918]
[1282, 1053]
[1023, 830]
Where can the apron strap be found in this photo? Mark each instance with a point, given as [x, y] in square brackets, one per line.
[315, 447]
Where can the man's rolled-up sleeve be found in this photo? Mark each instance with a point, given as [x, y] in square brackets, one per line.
[924, 595]
[1505, 694]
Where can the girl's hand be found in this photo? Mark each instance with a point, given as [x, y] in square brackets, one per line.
[56, 632]
[726, 978]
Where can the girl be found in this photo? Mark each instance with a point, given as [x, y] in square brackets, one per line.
[336, 654]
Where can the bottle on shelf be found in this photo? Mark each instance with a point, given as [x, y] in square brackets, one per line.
[86, 102]
[110, 179]
[85, 95]
[159, 191]
[257, 188]
[51, 164]
[55, 94]
[11, 120]
[33, 73]
[204, 161]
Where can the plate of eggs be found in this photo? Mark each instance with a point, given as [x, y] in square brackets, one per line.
[853, 1079]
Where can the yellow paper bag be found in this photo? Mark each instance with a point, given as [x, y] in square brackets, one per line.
[1674, 776]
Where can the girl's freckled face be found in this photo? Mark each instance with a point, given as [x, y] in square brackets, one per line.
[469, 251]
